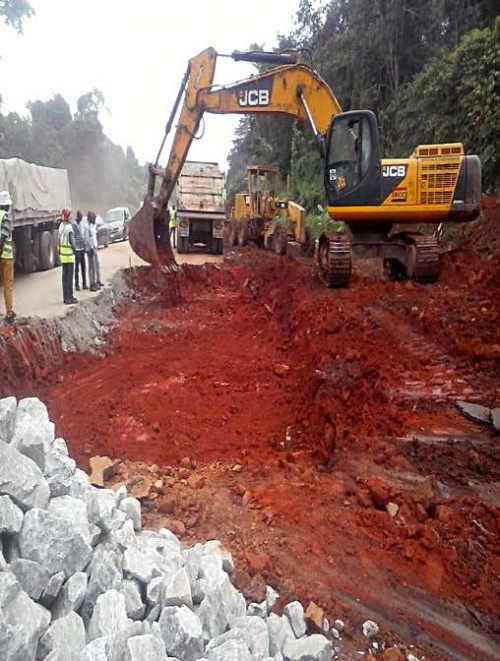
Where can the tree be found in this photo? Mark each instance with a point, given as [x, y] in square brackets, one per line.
[14, 12]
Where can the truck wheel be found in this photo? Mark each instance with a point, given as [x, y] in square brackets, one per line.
[243, 234]
[46, 261]
[55, 241]
[217, 246]
[36, 252]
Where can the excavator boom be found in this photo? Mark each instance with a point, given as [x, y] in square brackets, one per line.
[291, 88]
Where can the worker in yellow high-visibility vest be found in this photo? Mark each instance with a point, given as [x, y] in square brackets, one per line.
[172, 224]
[67, 257]
[6, 256]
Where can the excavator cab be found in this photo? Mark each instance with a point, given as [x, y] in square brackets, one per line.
[352, 160]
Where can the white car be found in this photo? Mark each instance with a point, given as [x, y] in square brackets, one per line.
[116, 222]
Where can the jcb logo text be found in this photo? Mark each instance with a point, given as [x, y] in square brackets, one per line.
[394, 170]
[253, 98]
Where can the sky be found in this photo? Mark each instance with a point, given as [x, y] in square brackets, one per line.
[136, 54]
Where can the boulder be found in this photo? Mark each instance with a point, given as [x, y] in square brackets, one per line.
[146, 647]
[32, 577]
[181, 633]
[315, 647]
[71, 596]
[102, 468]
[295, 614]
[65, 636]
[139, 565]
[33, 431]
[271, 597]
[59, 447]
[72, 510]
[134, 605]
[132, 508]
[22, 479]
[221, 607]
[252, 631]
[95, 650]
[8, 406]
[58, 472]
[52, 590]
[11, 516]
[474, 412]
[176, 590]
[231, 650]
[102, 510]
[109, 616]
[104, 575]
[53, 542]
[22, 621]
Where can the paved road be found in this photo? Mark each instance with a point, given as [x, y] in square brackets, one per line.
[40, 294]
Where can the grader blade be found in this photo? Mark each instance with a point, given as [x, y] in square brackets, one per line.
[149, 236]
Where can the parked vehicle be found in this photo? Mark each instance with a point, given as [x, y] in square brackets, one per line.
[40, 194]
[116, 221]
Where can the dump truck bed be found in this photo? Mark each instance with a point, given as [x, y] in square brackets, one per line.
[201, 189]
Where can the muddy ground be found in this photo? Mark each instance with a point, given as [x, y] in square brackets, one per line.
[248, 403]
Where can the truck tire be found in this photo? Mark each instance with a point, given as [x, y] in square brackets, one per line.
[55, 243]
[217, 246]
[46, 252]
[36, 252]
[280, 239]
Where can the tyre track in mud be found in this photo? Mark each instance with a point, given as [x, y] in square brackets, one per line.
[195, 368]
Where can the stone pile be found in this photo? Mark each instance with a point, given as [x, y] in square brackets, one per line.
[80, 580]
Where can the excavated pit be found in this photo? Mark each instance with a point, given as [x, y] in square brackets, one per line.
[303, 412]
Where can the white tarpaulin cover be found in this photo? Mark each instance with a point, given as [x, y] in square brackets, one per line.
[34, 188]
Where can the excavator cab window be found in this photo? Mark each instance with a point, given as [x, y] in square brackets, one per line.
[352, 174]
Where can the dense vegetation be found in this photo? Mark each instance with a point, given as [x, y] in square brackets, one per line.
[101, 174]
[429, 69]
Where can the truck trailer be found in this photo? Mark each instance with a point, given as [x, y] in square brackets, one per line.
[201, 207]
[39, 195]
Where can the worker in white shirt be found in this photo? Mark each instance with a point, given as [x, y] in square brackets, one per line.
[93, 252]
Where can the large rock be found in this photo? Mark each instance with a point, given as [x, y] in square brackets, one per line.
[21, 479]
[279, 630]
[59, 447]
[8, 406]
[33, 431]
[181, 633]
[231, 650]
[145, 648]
[11, 516]
[104, 575]
[71, 596]
[176, 591]
[53, 542]
[139, 565]
[102, 510]
[252, 631]
[133, 601]
[72, 510]
[474, 412]
[221, 607]
[80, 485]
[310, 648]
[132, 508]
[22, 621]
[32, 577]
[51, 592]
[295, 613]
[58, 472]
[95, 650]
[65, 636]
[109, 615]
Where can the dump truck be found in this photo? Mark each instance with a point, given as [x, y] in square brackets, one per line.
[39, 195]
[201, 207]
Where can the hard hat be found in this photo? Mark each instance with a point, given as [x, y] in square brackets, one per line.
[5, 199]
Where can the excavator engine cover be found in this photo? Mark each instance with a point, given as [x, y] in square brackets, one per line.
[148, 234]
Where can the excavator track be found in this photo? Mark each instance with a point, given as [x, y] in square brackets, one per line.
[335, 260]
[425, 258]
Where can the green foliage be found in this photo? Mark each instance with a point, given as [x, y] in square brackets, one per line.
[15, 11]
[101, 176]
[320, 221]
[428, 68]
[455, 97]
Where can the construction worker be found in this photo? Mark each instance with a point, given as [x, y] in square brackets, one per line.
[6, 256]
[67, 255]
[79, 228]
[172, 224]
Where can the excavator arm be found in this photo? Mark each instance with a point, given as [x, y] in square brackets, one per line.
[291, 88]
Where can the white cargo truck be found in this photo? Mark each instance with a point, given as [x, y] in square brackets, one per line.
[201, 197]
[39, 195]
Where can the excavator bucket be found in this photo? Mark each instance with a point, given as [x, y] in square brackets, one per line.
[149, 235]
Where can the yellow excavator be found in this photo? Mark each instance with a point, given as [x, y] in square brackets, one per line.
[437, 183]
